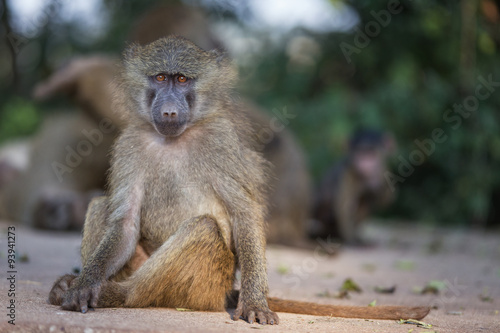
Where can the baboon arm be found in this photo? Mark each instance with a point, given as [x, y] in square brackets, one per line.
[122, 233]
[122, 236]
[114, 250]
[250, 247]
[368, 312]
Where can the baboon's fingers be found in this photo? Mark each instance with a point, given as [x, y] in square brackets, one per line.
[79, 297]
[237, 313]
[262, 318]
[251, 317]
[267, 317]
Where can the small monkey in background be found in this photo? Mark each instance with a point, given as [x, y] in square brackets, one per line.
[354, 188]
[186, 202]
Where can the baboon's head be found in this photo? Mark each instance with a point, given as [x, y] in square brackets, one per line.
[172, 83]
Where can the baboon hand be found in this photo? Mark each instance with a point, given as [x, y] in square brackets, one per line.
[81, 296]
[252, 313]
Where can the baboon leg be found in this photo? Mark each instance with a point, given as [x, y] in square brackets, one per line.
[193, 269]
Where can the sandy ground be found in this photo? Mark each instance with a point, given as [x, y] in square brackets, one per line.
[465, 264]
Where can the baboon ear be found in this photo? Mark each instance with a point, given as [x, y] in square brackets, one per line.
[131, 51]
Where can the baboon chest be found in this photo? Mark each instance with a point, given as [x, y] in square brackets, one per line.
[180, 188]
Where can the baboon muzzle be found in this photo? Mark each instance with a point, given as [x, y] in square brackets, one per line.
[170, 120]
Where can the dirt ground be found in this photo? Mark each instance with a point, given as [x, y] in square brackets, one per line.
[463, 265]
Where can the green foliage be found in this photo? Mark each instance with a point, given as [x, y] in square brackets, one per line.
[404, 82]
[18, 117]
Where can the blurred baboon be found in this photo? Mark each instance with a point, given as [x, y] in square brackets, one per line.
[290, 193]
[353, 188]
[67, 166]
[88, 79]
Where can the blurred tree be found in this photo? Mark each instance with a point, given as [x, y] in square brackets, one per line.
[402, 68]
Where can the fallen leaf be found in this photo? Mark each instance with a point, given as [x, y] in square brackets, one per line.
[432, 287]
[373, 303]
[350, 285]
[414, 322]
[405, 265]
[340, 295]
[416, 290]
[282, 269]
[24, 258]
[485, 296]
[438, 284]
[429, 290]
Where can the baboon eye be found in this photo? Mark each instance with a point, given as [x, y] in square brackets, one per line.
[160, 77]
[182, 79]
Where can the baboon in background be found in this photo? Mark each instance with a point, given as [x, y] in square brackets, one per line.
[187, 187]
[87, 80]
[290, 187]
[351, 190]
[68, 157]
[38, 197]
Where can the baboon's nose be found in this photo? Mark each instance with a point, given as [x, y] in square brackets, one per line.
[169, 114]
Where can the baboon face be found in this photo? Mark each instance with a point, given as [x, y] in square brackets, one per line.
[369, 150]
[170, 99]
[173, 84]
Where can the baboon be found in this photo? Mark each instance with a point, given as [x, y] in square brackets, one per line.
[54, 190]
[352, 189]
[185, 204]
[68, 157]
